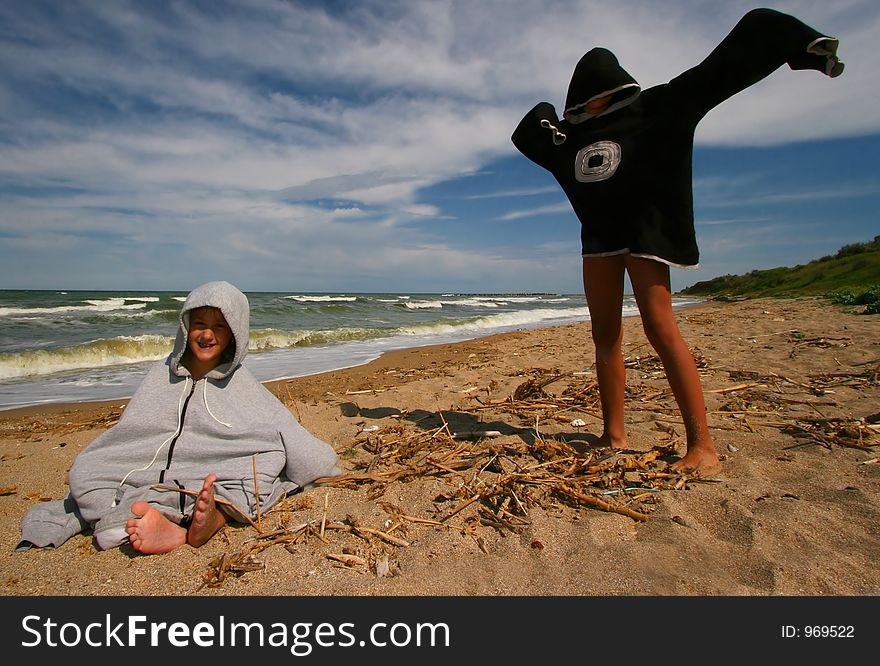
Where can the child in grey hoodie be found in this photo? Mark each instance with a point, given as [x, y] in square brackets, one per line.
[198, 428]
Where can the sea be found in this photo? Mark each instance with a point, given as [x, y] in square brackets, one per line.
[75, 346]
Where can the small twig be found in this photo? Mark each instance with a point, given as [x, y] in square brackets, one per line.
[348, 560]
[224, 502]
[460, 507]
[324, 517]
[734, 388]
[382, 535]
[422, 521]
[445, 426]
[257, 493]
[605, 506]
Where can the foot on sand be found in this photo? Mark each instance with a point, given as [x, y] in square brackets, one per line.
[207, 518]
[702, 461]
[150, 532]
[606, 440]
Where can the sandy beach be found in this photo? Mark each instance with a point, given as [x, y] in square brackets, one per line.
[469, 470]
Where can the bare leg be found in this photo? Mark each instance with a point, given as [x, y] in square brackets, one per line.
[650, 280]
[207, 518]
[603, 287]
[150, 532]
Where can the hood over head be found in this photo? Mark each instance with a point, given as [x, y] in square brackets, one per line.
[596, 75]
[236, 310]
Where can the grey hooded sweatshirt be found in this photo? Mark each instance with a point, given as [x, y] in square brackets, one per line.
[176, 431]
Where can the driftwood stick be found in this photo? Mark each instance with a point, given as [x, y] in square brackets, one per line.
[739, 387]
[445, 468]
[423, 521]
[337, 480]
[460, 507]
[446, 427]
[324, 517]
[257, 493]
[383, 535]
[347, 560]
[605, 506]
[193, 493]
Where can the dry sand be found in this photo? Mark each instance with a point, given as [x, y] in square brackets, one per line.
[793, 397]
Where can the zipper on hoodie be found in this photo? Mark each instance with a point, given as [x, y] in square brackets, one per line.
[177, 436]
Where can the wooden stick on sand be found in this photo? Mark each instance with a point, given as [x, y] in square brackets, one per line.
[257, 493]
[193, 493]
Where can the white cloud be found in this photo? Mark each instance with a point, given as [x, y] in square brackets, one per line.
[552, 209]
[282, 128]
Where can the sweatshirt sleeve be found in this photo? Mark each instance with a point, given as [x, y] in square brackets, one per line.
[538, 134]
[761, 42]
[308, 457]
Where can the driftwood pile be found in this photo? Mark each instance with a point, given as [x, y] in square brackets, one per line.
[771, 400]
[493, 482]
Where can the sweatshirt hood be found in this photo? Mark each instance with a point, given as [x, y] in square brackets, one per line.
[598, 74]
[236, 310]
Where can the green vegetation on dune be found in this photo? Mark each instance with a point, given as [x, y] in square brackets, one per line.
[851, 276]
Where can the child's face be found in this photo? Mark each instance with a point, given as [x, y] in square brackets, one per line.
[209, 335]
[597, 106]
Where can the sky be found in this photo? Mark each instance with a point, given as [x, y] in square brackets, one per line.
[365, 146]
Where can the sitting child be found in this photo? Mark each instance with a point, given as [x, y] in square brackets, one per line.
[199, 434]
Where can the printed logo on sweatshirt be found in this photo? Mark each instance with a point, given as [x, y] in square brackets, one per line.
[598, 161]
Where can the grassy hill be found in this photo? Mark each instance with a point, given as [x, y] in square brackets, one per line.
[850, 276]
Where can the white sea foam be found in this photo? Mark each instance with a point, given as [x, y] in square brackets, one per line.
[477, 302]
[98, 353]
[322, 299]
[106, 305]
[422, 305]
[503, 320]
[136, 314]
[274, 339]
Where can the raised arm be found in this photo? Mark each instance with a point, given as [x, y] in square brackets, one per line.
[762, 41]
[538, 134]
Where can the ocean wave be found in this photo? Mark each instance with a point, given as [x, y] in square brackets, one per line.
[105, 305]
[480, 302]
[135, 314]
[502, 320]
[97, 353]
[322, 299]
[270, 339]
[421, 305]
[124, 350]
[143, 299]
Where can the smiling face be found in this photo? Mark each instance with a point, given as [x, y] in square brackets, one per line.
[209, 336]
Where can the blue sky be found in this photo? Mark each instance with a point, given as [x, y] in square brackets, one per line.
[365, 146]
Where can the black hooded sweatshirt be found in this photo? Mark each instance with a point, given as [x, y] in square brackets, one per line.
[627, 171]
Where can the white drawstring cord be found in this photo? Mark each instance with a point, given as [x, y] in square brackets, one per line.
[161, 446]
[205, 398]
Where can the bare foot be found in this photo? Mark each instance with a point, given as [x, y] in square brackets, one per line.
[700, 460]
[618, 443]
[150, 532]
[207, 518]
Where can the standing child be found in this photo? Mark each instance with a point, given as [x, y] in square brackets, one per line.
[623, 157]
[199, 422]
